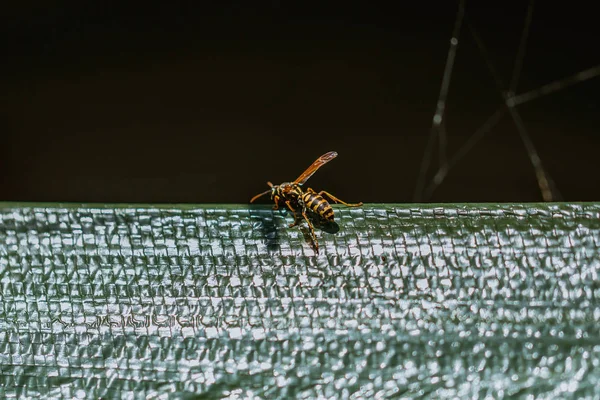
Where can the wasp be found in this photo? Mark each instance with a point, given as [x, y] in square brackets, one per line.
[300, 201]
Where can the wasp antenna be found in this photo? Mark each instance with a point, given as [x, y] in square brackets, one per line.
[270, 184]
[259, 195]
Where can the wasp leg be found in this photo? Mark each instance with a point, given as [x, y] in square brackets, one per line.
[296, 218]
[276, 200]
[310, 225]
[332, 197]
[296, 221]
[312, 230]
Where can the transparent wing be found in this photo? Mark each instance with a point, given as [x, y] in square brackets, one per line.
[319, 162]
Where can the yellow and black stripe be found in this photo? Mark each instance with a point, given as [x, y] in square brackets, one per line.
[318, 205]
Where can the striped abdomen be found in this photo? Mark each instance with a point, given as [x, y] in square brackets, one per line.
[318, 205]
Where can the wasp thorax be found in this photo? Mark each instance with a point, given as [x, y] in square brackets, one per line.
[286, 187]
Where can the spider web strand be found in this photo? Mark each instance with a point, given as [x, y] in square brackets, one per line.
[554, 86]
[441, 103]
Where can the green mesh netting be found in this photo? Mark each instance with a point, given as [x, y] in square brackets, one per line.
[404, 301]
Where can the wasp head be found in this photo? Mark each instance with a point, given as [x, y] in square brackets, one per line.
[276, 190]
[273, 189]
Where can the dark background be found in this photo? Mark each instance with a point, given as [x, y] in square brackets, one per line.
[204, 102]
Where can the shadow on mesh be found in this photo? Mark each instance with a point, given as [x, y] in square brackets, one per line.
[325, 226]
[268, 228]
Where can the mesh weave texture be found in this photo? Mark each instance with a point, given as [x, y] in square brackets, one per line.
[404, 301]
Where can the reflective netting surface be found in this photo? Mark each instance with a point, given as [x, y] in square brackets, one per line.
[227, 302]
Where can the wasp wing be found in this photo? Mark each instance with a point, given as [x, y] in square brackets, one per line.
[319, 162]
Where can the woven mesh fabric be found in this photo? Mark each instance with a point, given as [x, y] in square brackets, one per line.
[228, 302]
